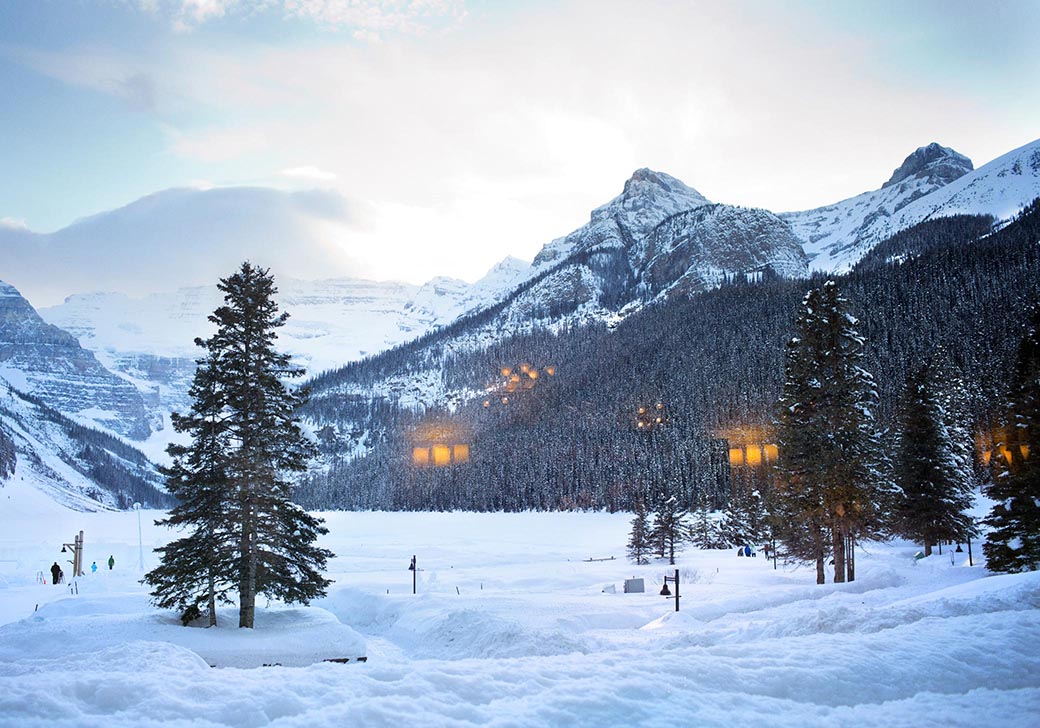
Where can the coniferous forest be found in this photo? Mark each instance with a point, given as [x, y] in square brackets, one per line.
[710, 367]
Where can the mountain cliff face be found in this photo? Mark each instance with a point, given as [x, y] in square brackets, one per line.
[46, 362]
[45, 452]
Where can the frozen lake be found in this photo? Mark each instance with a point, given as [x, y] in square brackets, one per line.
[512, 626]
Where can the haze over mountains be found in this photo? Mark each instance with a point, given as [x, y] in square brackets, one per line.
[656, 240]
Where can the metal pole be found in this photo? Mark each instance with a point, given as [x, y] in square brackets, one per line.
[140, 541]
[677, 590]
[415, 570]
[970, 563]
[774, 554]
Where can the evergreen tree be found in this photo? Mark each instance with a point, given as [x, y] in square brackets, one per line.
[1014, 542]
[233, 479]
[743, 518]
[933, 468]
[705, 532]
[669, 528]
[829, 449]
[639, 542]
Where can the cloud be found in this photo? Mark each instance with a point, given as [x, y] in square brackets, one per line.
[309, 172]
[217, 145]
[12, 223]
[367, 19]
[123, 76]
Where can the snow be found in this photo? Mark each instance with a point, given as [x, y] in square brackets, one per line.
[511, 626]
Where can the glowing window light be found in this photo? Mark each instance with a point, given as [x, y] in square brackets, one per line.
[441, 455]
[771, 452]
[460, 453]
[736, 456]
[754, 455]
[421, 455]
[1024, 449]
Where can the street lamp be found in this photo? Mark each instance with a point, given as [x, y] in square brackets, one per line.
[664, 588]
[140, 541]
[77, 553]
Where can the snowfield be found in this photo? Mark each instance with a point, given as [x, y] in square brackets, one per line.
[511, 626]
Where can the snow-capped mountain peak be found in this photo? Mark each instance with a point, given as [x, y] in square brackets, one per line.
[934, 163]
[647, 199]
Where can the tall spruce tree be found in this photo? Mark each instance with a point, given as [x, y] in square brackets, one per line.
[233, 480]
[828, 469]
[639, 541]
[933, 469]
[1014, 542]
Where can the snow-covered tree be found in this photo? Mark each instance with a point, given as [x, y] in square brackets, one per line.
[704, 532]
[233, 480]
[1014, 542]
[744, 517]
[829, 449]
[640, 543]
[933, 467]
[669, 528]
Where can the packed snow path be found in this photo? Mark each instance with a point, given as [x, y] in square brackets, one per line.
[511, 627]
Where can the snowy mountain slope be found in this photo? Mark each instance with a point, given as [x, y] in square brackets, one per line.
[933, 181]
[78, 467]
[837, 235]
[45, 361]
[1001, 188]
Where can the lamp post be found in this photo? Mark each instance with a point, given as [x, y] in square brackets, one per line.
[664, 589]
[411, 567]
[77, 553]
[140, 541]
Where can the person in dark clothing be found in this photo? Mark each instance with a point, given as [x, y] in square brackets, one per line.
[55, 573]
[111, 562]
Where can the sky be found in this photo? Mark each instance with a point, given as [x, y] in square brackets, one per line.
[458, 132]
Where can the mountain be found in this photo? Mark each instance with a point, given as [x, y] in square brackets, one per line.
[934, 181]
[659, 237]
[47, 455]
[42, 360]
[711, 363]
[177, 238]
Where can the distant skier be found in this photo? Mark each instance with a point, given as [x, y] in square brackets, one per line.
[93, 567]
[111, 562]
[55, 573]
[747, 550]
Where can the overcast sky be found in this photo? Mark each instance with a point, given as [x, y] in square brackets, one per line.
[461, 132]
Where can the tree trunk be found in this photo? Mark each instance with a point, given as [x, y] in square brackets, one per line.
[212, 600]
[838, 544]
[927, 548]
[821, 575]
[247, 578]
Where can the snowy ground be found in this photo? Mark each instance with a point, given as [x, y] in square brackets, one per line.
[512, 627]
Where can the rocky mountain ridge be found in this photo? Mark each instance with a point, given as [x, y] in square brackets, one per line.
[42, 360]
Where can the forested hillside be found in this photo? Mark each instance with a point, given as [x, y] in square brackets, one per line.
[713, 361]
